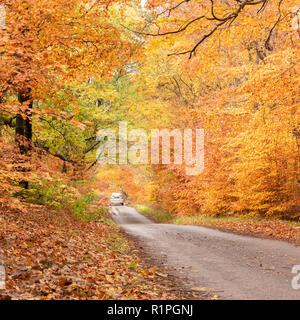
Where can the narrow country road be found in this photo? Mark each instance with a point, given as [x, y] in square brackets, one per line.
[234, 266]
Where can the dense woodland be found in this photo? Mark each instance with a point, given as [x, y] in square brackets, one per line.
[70, 68]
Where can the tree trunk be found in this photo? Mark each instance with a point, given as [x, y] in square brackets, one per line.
[23, 131]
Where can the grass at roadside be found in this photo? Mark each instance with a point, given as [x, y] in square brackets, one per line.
[272, 227]
[157, 215]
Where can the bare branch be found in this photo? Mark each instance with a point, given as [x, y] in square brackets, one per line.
[173, 8]
[228, 19]
[181, 29]
[267, 42]
[193, 51]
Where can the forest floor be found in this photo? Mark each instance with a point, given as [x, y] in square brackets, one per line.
[48, 254]
[280, 229]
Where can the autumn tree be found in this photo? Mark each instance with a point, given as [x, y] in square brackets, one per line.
[48, 45]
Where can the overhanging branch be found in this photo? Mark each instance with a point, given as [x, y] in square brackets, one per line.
[219, 21]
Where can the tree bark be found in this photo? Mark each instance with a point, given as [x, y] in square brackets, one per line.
[23, 131]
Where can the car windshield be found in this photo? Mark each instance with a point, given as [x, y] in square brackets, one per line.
[116, 195]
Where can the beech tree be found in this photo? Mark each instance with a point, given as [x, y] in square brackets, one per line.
[49, 44]
[46, 45]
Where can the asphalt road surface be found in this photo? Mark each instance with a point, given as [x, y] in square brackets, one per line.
[233, 266]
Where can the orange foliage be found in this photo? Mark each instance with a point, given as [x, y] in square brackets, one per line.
[242, 88]
[46, 46]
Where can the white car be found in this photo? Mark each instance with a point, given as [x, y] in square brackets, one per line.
[116, 199]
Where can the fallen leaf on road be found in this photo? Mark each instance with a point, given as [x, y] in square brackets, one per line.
[164, 275]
